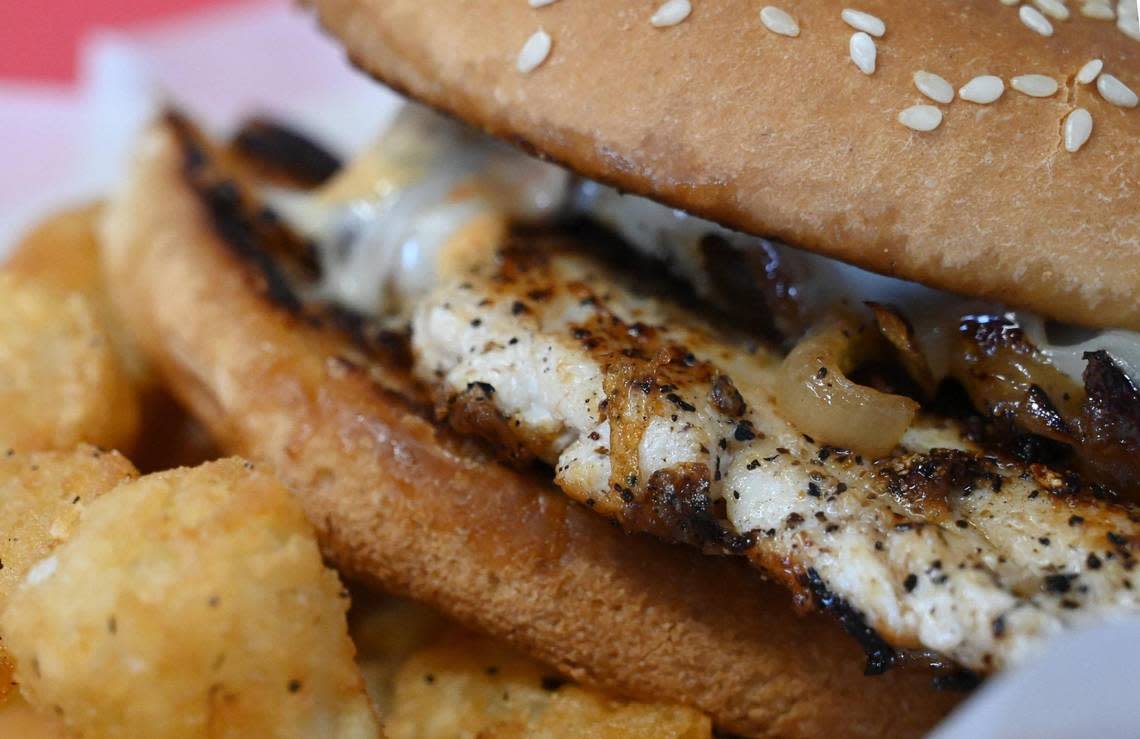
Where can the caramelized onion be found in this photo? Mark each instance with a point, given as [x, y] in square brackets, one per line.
[897, 330]
[1109, 424]
[1007, 377]
[818, 398]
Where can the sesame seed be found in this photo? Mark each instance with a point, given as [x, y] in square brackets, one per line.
[863, 52]
[541, 3]
[1129, 25]
[865, 22]
[534, 52]
[933, 87]
[1090, 71]
[983, 90]
[778, 21]
[671, 13]
[921, 117]
[1098, 11]
[1053, 9]
[1034, 85]
[1033, 19]
[1115, 91]
[1078, 128]
[1010, 2]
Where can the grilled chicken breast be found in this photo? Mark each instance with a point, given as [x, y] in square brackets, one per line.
[657, 419]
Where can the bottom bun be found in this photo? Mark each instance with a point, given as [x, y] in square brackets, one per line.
[409, 507]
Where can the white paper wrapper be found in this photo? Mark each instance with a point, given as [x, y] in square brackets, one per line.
[61, 146]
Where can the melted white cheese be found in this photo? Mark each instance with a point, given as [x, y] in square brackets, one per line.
[1065, 346]
[429, 192]
[433, 195]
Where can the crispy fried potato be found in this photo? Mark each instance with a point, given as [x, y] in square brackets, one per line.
[469, 686]
[62, 252]
[386, 632]
[191, 603]
[61, 381]
[433, 679]
[20, 720]
[41, 497]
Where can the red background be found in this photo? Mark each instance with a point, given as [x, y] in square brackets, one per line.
[38, 40]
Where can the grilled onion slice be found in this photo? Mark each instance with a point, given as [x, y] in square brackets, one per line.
[816, 395]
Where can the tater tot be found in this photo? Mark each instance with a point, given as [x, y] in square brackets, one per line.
[41, 498]
[61, 380]
[63, 252]
[437, 681]
[190, 603]
[62, 249]
[18, 720]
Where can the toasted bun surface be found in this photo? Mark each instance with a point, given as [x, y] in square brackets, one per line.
[404, 505]
[785, 137]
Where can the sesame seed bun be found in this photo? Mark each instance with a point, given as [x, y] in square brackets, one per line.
[785, 137]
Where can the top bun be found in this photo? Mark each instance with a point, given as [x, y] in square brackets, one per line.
[785, 137]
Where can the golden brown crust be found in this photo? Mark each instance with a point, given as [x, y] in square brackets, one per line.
[17, 718]
[42, 496]
[406, 506]
[62, 381]
[62, 252]
[786, 138]
[190, 603]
